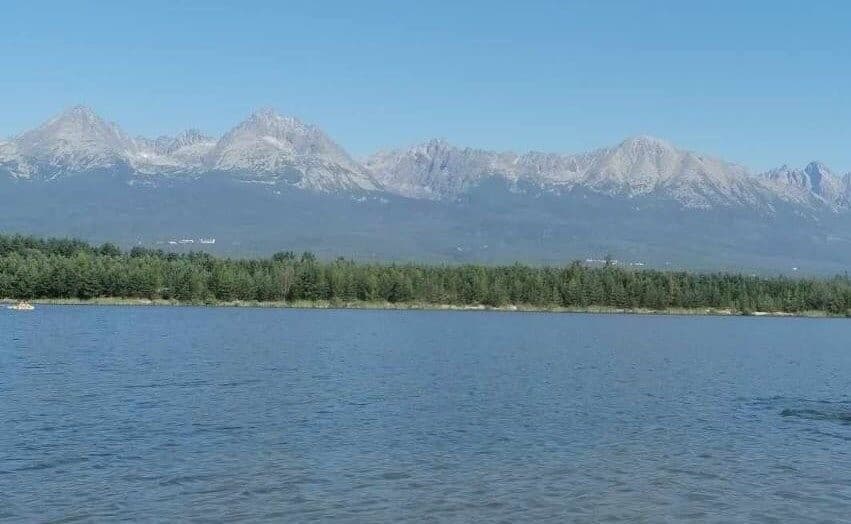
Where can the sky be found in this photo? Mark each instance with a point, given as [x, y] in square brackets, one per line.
[761, 83]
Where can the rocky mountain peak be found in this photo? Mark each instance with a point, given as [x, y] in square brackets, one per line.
[437, 169]
[272, 148]
[269, 121]
[75, 140]
[817, 174]
[815, 182]
[77, 126]
[641, 144]
[79, 113]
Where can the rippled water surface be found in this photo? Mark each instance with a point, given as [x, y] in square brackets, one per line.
[287, 415]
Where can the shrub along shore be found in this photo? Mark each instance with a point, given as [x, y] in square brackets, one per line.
[417, 306]
[72, 271]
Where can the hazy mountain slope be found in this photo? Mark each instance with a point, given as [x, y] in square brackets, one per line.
[273, 182]
[493, 223]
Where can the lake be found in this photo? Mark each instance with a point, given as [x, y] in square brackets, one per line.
[273, 415]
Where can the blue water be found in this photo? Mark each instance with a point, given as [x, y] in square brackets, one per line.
[285, 415]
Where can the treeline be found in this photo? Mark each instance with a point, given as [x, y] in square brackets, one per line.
[32, 268]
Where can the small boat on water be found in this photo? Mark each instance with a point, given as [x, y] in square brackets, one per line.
[22, 305]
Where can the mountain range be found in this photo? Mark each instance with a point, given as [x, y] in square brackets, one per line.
[450, 196]
[275, 149]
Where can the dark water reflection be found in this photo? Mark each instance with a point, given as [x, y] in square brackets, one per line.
[282, 415]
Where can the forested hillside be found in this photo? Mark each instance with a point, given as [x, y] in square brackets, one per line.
[35, 268]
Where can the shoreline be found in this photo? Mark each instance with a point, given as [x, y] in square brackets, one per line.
[417, 306]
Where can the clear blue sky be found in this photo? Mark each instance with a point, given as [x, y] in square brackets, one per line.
[758, 82]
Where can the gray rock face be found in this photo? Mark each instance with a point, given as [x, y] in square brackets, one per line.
[815, 183]
[266, 148]
[74, 141]
[639, 166]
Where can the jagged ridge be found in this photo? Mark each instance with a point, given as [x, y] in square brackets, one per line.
[274, 149]
[639, 166]
[266, 148]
